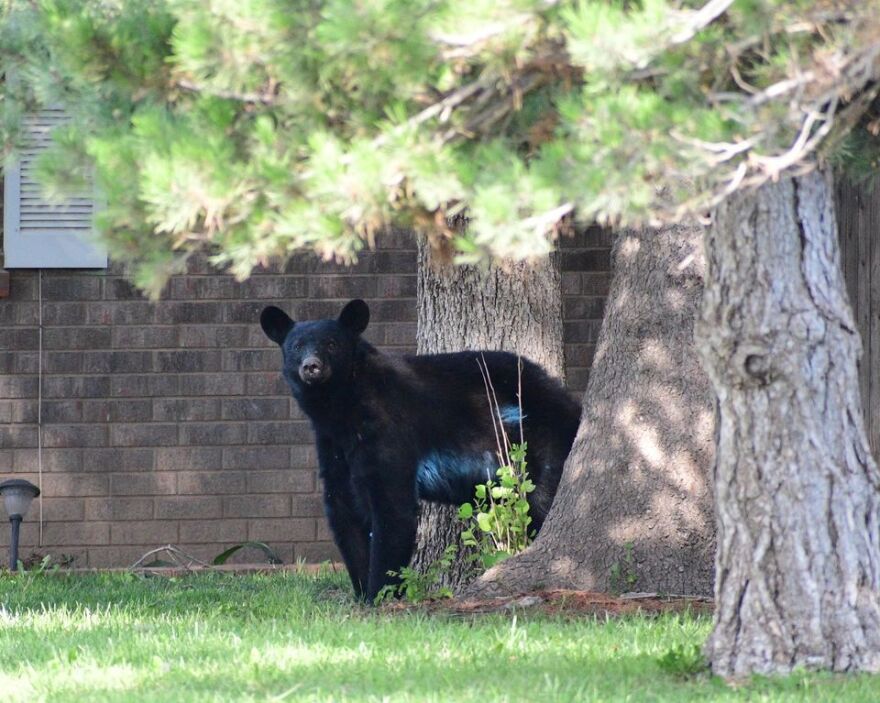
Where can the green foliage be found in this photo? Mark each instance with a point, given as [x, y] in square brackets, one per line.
[497, 522]
[623, 575]
[683, 661]
[260, 128]
[419, 587]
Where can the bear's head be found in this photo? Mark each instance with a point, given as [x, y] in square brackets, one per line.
[316, 352]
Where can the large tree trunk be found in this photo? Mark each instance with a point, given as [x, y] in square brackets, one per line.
[634, 507]
[796, 489]
[514, 307]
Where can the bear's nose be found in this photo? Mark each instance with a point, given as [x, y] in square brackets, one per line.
[311, 368]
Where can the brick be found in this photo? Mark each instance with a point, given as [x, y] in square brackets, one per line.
[127, 459]
[19, 338]
[399, 286]
[62, 362]
[64, 314]
[279, 433]
[203, 287]
[256, 457]
[397, 310]
[255, 409]
[121, 289]
[342, 287]
[252, 360]
[78, 435]
[275, 287]
[268, 383]
[596, 283]
[396, 261]
[289, 481]
[213, 433]
[146, 532]
[76, 533]
[205, 336]
[18, 362]
[63, 509]
[148, 434]
[400, 334]
[106, 557]
[76, 387]
[583, 308]
[145, 337]
[60, 460]
[188, 458]
[74, 485]
[187, 360]
[307, 506]
[189, 507]
[192, 313]
[83, 287]
[211, 384]
[246, 312]
[18, 411]
[76, 338]
[128, 410]
[18, 387]
[581, 331]
[146, 386]
[585, 260]
[196, 531]
[186, 409]
[282, 530]
[135, 312]
[303, 457]
[571, 283]
[113, 362]
[210, 482]
[256, 506]
[143, 484]
[231, 336]
[579, 355]
[117, 508]
[317, 552]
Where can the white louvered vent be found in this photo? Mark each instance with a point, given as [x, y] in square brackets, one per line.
[37, 233]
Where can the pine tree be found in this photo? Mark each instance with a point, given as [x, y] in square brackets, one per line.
[259, 128]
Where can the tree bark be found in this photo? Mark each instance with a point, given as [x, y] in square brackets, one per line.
[514, 307]
[634, 507]
[796, 488]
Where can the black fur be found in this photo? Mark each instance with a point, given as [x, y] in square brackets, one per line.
[390, 430]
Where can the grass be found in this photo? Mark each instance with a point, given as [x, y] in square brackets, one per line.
[220, 637]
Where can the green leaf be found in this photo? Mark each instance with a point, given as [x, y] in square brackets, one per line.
[484, 521]
[465, 511]
[272, 557]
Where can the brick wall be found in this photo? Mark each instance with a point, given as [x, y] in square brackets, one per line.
[168, 422]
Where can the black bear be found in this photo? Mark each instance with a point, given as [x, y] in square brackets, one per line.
[391, 430]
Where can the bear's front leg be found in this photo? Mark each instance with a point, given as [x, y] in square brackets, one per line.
[348, 525]
[394, 514]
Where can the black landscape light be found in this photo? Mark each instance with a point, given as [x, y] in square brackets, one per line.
[17, 496]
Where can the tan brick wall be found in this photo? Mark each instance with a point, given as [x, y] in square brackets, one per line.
[168, 422]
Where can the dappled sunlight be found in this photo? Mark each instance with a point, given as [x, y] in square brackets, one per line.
[644, 438]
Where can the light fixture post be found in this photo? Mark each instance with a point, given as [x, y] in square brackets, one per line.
[13, 544]
[17, 496]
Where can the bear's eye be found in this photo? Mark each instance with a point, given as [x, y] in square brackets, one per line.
[331, 347]
[298, 346]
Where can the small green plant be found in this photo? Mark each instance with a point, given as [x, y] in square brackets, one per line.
[497, 522]
[683, 661]
[623, 576]
[417, 587]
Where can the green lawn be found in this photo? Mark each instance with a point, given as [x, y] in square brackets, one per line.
[219, 637]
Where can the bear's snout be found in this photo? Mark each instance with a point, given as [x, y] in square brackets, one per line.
[313, 370]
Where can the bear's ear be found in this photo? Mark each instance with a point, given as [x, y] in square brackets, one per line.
[355, 316]
[275, 323]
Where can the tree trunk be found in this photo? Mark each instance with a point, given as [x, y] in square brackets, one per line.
[796, 489]
[634, 507]
[514, 307]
